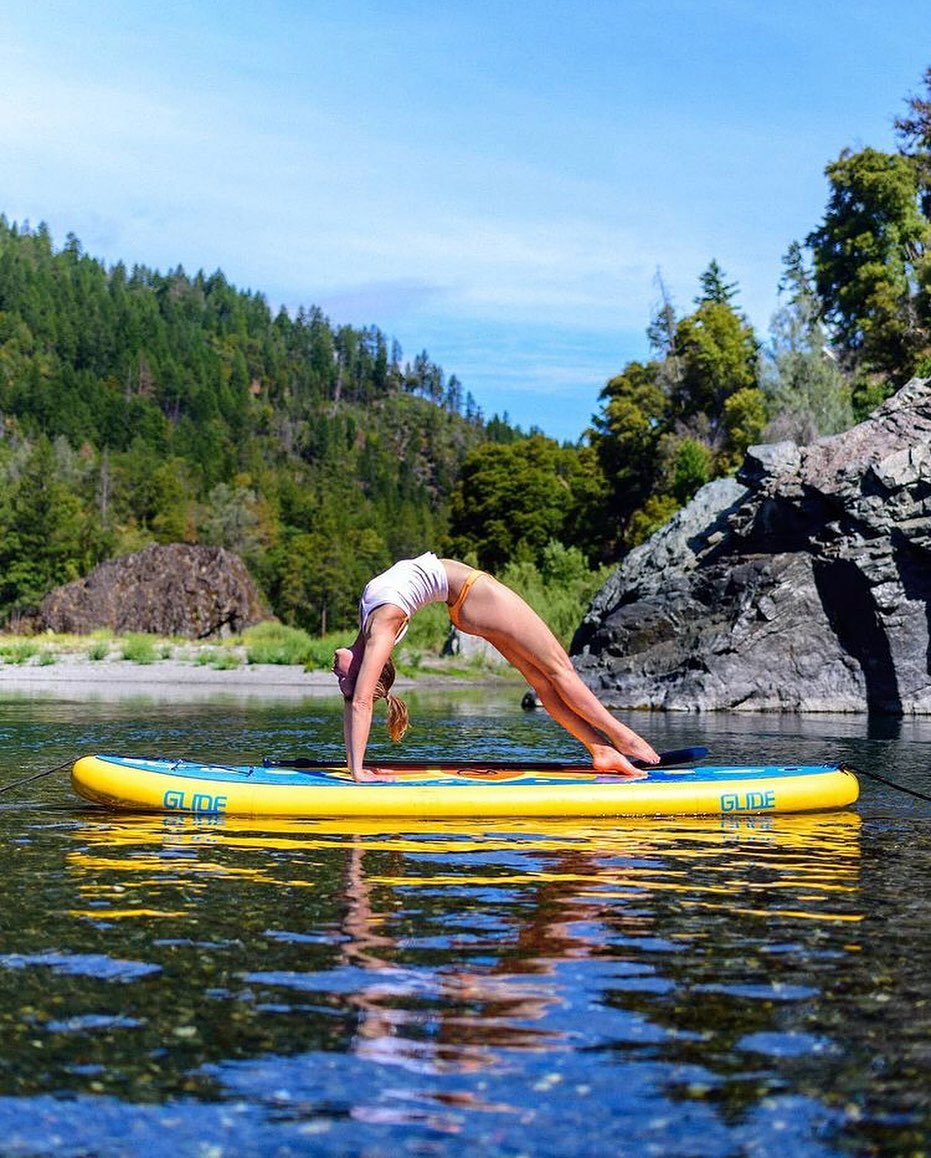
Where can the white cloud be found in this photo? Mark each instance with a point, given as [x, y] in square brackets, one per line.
[501, 192]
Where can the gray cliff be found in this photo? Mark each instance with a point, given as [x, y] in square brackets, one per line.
[802, 585]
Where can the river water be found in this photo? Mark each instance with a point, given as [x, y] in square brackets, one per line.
[202, 986]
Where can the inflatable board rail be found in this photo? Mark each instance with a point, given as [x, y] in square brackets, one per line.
[466, 789]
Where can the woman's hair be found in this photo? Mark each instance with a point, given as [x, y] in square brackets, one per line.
[398, 716]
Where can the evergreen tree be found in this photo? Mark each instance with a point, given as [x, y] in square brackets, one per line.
[715, 289]
[513, 499]
[871, 254]
[915, 134]
[914, 131]
[670, 425]
[806, 393]
[718, 355]
[693, 466]
[44, 538]
[626, 438]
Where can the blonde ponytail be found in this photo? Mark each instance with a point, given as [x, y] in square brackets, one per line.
[398, 716]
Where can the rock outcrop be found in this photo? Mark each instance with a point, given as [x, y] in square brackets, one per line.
[803, 585]
[174, 590]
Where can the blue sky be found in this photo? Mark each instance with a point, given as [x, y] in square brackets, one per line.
[498, 182]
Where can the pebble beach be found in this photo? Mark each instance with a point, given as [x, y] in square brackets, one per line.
[71, 678]
[77, 677]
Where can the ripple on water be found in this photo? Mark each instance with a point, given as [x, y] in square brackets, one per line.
[97, 965]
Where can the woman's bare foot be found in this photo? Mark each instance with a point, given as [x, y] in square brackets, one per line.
[633, 746]
[609, 760]
[372, 776]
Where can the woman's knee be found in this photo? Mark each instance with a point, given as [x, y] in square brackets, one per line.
[558, 667]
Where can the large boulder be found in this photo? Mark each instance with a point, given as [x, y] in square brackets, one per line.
[174, 590]
[803, 585]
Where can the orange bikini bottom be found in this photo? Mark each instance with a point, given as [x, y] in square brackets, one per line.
[456, 607]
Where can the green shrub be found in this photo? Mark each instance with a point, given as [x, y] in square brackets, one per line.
[320, 653]
[428, 630]
[99, 649]
[138, 648]
[19, 650]
[277, 643]
[220, 658]
[226, 660]
[655, 513]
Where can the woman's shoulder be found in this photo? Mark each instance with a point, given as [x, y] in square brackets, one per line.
[384, 619]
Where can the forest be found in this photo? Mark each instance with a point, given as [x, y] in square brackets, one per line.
[138, 406]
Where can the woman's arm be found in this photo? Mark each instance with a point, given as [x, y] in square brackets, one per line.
[381, 632]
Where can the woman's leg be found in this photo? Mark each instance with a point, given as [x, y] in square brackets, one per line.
[499, 615]
[605, 756]
[560, 696]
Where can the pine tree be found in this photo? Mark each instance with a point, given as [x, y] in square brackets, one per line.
[807, 394]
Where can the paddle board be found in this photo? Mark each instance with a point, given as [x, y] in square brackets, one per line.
[464, 789]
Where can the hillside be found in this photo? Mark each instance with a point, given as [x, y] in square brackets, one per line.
[144, 407]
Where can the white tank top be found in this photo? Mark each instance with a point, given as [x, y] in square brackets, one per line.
[410, 584]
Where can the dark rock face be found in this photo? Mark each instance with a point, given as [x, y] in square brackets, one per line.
[803, 585]
[182, 590]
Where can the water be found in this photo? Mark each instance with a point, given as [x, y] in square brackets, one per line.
[201, 986]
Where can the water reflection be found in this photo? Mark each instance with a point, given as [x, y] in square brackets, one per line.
[506, 970]
[442, 950]
[562, 978]
[680, 986]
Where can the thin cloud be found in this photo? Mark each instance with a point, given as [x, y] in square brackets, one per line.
[499, 191]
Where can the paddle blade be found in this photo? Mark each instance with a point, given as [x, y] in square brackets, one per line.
[675, 758]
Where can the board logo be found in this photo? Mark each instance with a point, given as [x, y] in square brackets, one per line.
[176, 800]
[748, 801]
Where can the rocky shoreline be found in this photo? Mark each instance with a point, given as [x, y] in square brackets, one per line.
[803, 585]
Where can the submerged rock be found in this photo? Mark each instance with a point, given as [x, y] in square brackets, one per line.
[802, 585]
[189, 591]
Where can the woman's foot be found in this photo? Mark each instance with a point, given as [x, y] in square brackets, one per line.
[608, 760]
[372, 776]
[633, 746]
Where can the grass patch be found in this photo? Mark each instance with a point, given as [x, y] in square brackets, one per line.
[277, 643]
[18, 650]
[139, 648]
[220, 658]
[99, 649]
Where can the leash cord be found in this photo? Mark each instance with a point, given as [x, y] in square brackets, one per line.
[36, 776]
[892, 784]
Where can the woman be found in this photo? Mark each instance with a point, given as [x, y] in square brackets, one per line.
[478, 605]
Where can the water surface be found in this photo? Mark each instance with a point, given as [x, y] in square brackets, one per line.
[183, 985]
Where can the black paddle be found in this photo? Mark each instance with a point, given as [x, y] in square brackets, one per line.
[674, 758]
[666, 760]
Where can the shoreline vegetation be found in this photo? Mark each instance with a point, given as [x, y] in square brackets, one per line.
[144, 408]
[269, 656]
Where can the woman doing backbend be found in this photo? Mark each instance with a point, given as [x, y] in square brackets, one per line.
[478, 605]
